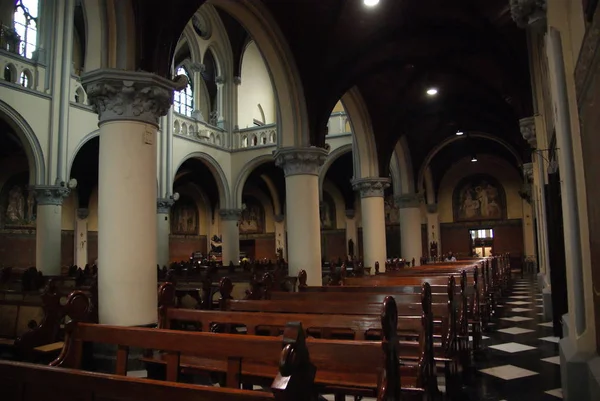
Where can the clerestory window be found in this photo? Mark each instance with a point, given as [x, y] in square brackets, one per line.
[183, 101]
[25, 17]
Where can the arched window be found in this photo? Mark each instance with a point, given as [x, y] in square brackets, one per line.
[183, 101]
[24, 79]
[26, 12]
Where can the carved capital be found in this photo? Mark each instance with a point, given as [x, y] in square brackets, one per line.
[371, 187]
[528, 12]
[195, 66]
[408, 201]
[300, 161]
[528, 172]
[118, 95]
[350, 213]
[50, 194]
[220, 80]
[83, 213]
[432, 208]
[163, 205]
[230, 214]
[527, 126]
[237, 80]
[279, 218]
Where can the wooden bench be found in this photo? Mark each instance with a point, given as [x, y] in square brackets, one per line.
[415, 349]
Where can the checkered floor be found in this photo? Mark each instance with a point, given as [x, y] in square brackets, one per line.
[520, 359]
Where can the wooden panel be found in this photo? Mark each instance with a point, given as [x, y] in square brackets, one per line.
[181, 247]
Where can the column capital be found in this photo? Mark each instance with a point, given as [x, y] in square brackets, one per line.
[163, 205]
[371, 187]
[527, 126]
[220, 80]
[83, 213]
[230, 214]
[350, 213]
[279, 218]
[118, 95]
[237, 80]
[528, 172]
[50, 194]
[432, 208]
[300, 161]
[527, 13]
[408, 201]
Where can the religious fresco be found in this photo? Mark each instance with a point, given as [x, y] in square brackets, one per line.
[392, 212]
[17, 203]
[479, 197]
[327, 212]
[184, 216]
[252, 220]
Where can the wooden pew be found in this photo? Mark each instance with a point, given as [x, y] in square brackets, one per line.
[416, 349]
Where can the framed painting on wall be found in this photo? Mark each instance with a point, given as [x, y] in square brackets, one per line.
[479, 197]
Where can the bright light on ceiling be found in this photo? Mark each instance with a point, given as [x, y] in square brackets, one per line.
[474, 159]
[459, 133]
[370, 3]
[432, 91]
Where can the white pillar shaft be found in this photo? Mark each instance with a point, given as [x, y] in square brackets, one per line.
[373, 224]
[231, 242]
[304, 226]
[410, 233]
[163, 230]
[127, 223]
[542, 231]
[81, 243]
[280, 237]
[48, 239]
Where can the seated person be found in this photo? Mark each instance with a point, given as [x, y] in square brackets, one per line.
[450, 257]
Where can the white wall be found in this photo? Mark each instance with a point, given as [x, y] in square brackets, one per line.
[255, 89]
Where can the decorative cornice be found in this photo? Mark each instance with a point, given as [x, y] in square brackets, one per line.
[300, 161]
[83, 213]
[527, 126]
[279, 218]
[527, 13]
[163, 205]
[118, 95]
[528, 172]
[50, 194]
[407, 201]
[432, 208]
[230, 214]
[371, 187]
[350, 213]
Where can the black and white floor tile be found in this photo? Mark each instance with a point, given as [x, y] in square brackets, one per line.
[520, 359]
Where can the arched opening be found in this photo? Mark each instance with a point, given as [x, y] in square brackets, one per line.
[10, 73]
[256, 100]
[26, 79]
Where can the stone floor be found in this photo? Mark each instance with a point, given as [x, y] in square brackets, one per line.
[520, 359]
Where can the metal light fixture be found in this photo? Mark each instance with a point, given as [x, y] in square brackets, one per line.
[432, 91]
[370, 3]
[459, 133]
[473, 158]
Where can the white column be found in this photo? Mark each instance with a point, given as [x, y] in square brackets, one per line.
[280, 242]
[301, 166]
[230, 233]
[433, 229]
[373, 220]
[48, 228]
[352, 234]
[220, 101]
[234, 142]
[163, 230]
[410, 226]
[129, 105]
[80, 237]
[528, 236]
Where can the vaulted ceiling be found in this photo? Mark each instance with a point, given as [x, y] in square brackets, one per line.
[470, 50]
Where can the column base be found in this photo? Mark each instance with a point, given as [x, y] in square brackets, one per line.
[579, 372]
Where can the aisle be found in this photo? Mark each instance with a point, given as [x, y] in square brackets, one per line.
[520, 361]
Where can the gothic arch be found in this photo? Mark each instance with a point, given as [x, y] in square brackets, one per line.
[401, 169]
[292, 115]
[215, 169]
[29, 141]
[331, 158]
[96, 55]
[73, 155]
[243, 175]
[448, 141]
[365, 151]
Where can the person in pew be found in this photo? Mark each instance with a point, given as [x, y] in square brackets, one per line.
[450, 257]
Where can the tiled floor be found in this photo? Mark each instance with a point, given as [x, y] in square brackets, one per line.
[520, 360]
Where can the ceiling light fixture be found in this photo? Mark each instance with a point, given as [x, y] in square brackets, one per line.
[370, 3]
[473, 158]
[459, 133]
[432, 91]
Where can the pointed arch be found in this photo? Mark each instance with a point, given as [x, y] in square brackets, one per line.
[331, 158]
[215, 169]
